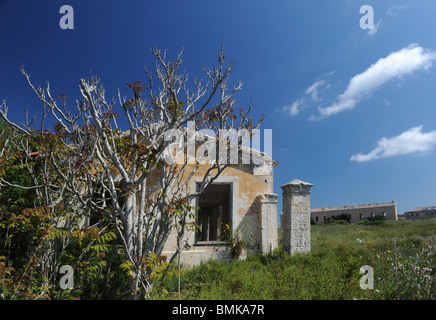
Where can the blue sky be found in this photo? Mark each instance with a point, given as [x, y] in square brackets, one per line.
[352, 111]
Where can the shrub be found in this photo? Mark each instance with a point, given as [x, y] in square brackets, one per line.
[236, 244]
[340, 221]
[375, 221]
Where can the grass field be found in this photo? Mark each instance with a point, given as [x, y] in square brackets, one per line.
[401, 253]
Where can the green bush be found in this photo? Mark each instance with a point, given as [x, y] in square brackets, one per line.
[375, 221]
[340, 221]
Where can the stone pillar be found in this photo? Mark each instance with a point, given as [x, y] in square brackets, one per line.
[268, 222]
[296, 216]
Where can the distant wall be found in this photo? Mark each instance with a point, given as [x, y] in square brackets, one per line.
[421, 213]
[356, 213]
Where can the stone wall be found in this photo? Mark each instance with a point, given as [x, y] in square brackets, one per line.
[421, 213]
[295, 219]
[268, 222]
[253, 211]
[356, 213]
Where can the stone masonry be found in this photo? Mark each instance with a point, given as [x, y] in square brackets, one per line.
[296, 216]
[355, 213]
[268, 223]
[421, 213]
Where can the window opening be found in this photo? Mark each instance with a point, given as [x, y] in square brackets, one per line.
[213, 216]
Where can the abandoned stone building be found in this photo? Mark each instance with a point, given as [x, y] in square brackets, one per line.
[355, 213]
[241, 200]
[421, 213]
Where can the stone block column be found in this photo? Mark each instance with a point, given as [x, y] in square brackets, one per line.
[296, 216]
[268, 223]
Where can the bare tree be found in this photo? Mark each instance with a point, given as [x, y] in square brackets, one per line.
[131, 173]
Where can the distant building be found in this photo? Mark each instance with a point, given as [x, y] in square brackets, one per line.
[355, 213]
[421, 213]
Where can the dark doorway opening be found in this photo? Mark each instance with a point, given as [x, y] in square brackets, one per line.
[214, 218]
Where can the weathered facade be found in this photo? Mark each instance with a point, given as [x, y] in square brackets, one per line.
[421, 213]
[295, 218]
[241, 200]
[356, 213]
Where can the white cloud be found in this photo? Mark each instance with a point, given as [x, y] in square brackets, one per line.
[409, 142]
[374, 30]
[396, 65]
[294, 108]
[393, 10]
[313, 90]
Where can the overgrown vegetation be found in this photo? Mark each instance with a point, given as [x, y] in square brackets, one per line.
[401, 253]
[98, 185]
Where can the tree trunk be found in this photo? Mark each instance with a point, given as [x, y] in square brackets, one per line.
[129, 229]
[129, 235]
